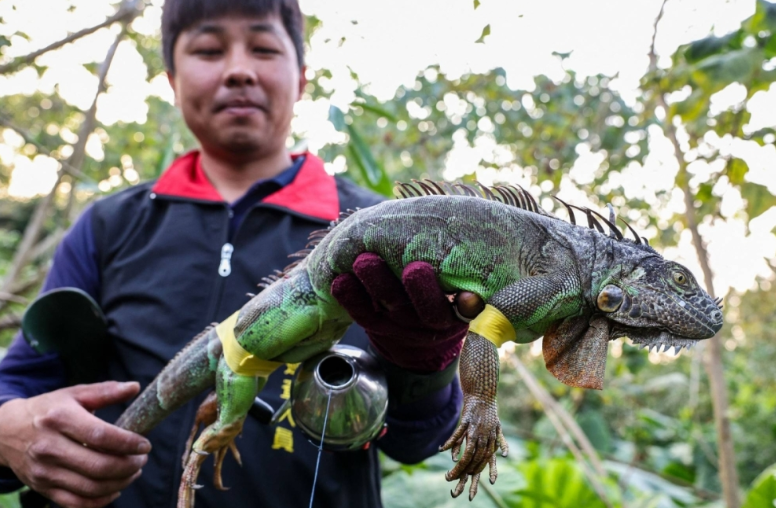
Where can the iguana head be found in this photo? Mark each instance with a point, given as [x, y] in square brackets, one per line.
[634, 292]
[658, 303]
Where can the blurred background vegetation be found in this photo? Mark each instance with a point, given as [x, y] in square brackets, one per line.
[695, 430]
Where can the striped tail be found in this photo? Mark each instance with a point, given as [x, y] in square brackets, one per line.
[188, 374]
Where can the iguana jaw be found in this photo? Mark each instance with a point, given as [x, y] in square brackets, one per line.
[654, 337]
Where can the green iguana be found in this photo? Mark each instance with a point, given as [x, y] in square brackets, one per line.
[539, 276]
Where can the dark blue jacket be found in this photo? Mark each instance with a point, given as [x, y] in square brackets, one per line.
[151, 256]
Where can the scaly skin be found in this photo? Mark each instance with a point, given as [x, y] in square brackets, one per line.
[577, 287]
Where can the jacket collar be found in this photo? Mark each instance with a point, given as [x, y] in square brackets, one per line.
[312, 193]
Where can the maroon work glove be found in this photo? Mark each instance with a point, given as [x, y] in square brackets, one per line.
[412, 325]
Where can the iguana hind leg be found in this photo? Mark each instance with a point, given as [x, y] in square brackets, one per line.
[480, 425]
[235, 396]
[207, 414]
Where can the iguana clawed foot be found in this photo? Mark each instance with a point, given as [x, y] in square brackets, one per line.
[214, 440]
[481, 428]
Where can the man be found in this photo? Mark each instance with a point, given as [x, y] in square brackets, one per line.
[166, 258]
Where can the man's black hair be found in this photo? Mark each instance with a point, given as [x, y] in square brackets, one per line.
[178, 15]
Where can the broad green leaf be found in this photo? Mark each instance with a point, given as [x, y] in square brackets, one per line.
[372, 173]
[692, 107]
[703, 48]
[555, 483]
[758, 199]
[764, 17]
[717, 71]
[337, 118]
[736, 171]
[595, 427]
[377, 110]
[763, 493]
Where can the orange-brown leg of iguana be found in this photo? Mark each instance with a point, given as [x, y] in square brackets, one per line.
[239, 392]
[215, 439]
[479, 367]
[207, 413]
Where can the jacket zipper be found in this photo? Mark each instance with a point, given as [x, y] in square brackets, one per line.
[225, 268]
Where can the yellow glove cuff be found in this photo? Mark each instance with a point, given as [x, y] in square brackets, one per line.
[238, 359]
[492, 324]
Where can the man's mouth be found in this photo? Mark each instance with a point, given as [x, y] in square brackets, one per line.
[239, 107]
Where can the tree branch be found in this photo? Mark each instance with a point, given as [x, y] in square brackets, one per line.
[566, 426]
[34, 227]
[127, 11]
[28, 138]
[727, 462]
[11, 321]
[10, 297]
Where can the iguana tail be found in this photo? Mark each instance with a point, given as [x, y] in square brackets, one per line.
[188, 374]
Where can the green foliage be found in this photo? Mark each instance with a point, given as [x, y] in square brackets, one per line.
[530, 483]
[763, 493]
[654, 421]
[9, 501]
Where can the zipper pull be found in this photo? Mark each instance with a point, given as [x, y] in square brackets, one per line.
[225, 268]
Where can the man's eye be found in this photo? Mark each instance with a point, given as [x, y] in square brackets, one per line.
[208, 52]
[265, 50]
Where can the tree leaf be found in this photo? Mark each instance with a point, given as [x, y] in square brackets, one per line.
[717, 71]
[337, 118]
[377, 110]
[758, 199]
[763, 493]
[712, 45]
[373, 175]
[485, 33]
[736, 170]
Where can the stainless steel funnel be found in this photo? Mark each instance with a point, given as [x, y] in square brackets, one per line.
[359, 398]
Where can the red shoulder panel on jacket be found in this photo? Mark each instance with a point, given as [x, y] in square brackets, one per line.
[313, 192]
[186, 179]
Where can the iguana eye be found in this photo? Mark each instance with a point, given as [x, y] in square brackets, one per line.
[680, 278]
[610, 298]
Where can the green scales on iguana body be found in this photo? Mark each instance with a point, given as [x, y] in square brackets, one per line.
[576, 286]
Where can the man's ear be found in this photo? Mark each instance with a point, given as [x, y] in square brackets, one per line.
[171, 80]
[302, 82]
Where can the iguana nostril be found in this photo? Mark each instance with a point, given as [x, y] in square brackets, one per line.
[610, 299]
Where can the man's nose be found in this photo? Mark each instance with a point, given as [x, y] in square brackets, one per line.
[239, 71]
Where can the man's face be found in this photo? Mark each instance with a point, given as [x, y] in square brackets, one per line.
[236, 81]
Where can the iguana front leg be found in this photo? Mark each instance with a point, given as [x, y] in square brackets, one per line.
[518, 312]
[478, 368]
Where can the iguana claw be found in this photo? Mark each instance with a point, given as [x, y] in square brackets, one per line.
[214, 440]
[479, 426]
[483, 440]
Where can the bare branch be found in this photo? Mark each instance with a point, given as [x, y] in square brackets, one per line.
[28, 138]
[566, 426]
[127, 11]
[10, 322]
[727, 462]
[32, 231]
[10, 297]
[652, 53]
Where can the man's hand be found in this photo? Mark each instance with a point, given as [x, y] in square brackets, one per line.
[410, 322]
[56, 446]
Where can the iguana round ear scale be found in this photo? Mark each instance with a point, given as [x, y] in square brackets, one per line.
[468, 304]
[610, 298]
